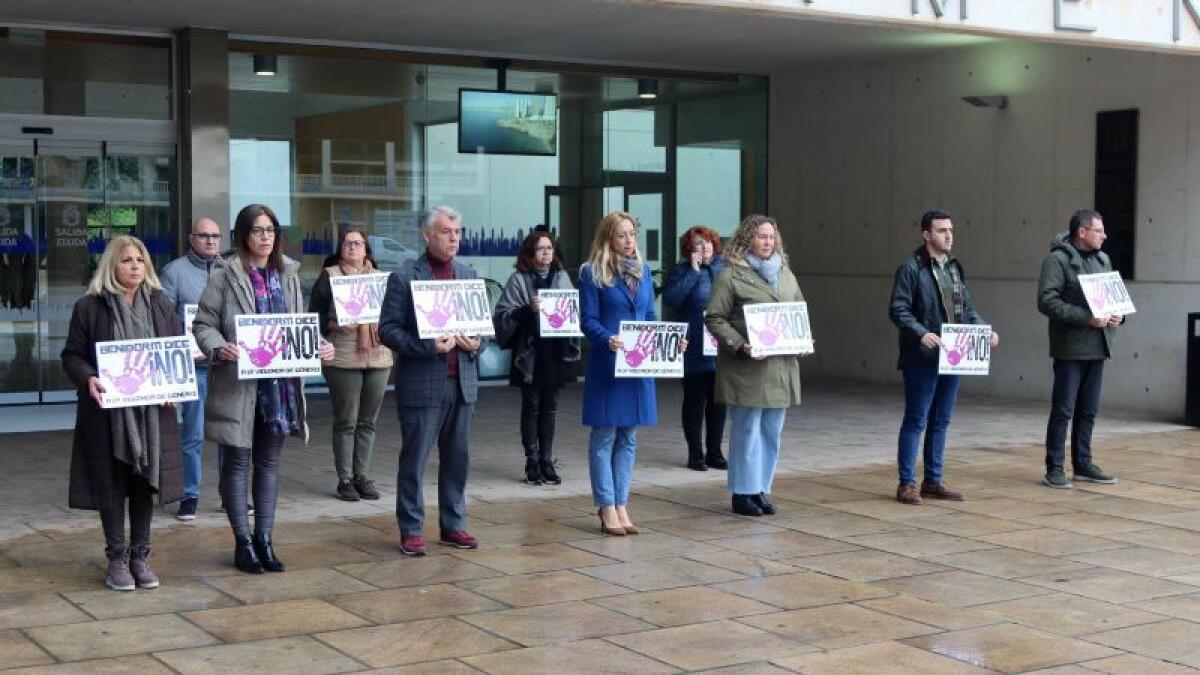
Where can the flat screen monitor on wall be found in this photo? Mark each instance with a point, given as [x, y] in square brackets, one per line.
[507, 122]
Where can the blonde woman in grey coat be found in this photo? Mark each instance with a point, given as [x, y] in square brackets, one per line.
[249, 419]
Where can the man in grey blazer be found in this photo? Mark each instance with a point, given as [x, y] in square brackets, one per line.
[437, 383]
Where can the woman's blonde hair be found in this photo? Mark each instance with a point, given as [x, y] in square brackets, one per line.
[743, 239]
[105, 278]
[604, 263]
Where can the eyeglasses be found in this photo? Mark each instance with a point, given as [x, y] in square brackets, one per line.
[263, 232]
[207, 237]
[1098, 230]
[350, 243]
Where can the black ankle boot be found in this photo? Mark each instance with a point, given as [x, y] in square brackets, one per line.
[533, 471]
[766, 506]
[696, 460]
[266, 554]
[716, 460]
[549, 474]
[244, 557]
[745, 505]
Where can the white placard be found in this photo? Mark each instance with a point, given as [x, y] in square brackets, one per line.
[277, 345]
[146, 372]
[710, 342]
[189, 317]
[651, 349]
[778, 328]
[559, 316]
[358, 298]
[452, 307]
[966, 349]
[1106, 294]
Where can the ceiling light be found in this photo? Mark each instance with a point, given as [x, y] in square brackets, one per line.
[1000, 102]
[648, 89]
[264, 64]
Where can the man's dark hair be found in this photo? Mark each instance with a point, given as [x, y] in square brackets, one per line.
[930, 216]
[1082, 219]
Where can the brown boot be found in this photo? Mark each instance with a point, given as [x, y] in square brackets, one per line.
[940, 491]
[906, 493]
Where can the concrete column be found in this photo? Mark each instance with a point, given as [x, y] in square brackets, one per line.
[203, 76]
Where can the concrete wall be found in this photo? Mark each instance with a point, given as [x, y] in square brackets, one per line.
[858, 153]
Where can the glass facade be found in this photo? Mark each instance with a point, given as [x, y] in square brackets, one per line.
[86, 152]
[333, 142]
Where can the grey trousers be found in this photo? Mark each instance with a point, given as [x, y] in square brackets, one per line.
[357, 394]
[448, 423]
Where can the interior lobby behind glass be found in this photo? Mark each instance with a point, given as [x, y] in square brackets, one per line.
[332, 142]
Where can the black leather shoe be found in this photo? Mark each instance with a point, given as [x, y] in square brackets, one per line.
[244, 557]
[266, 554]
[716, 461]
[766, 506]
[696, 461]
[746, 505]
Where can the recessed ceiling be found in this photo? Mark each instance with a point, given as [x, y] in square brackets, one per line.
[598, 31]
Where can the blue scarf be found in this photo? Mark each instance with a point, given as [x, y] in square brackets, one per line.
[767, 269]
[276, 397]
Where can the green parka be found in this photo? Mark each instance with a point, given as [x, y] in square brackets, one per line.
[773, 382]
[1061, 299]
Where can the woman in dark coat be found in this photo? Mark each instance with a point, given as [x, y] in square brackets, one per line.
[121, 457]
[540, 366]
[686, 289]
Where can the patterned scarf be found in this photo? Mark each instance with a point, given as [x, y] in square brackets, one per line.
[277, 396]
[631, 272]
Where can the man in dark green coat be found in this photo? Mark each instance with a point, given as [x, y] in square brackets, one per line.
[1080, 343]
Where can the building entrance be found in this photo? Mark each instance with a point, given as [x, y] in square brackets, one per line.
[67, 186]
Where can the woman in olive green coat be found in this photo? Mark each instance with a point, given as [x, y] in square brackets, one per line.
[758, 390]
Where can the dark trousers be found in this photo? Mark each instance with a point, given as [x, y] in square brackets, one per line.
[1076, 401]
[700, 409]
[136, 492]
[235, 464]
[539, 405]
[446, 422]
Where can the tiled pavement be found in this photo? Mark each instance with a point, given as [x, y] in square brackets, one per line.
[1020, 578]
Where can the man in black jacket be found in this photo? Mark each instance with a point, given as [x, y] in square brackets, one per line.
[1079, 344]
[929, 290]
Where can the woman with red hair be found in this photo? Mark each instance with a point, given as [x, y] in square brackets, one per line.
[686, 289]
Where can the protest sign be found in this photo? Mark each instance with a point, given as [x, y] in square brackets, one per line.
[560, 313]
[277, 345]
[966, 349]
[146, 372]
[1106, 294]
[358, 298]
[651, 349]
[778, 328]
[189, 317]
[452, 308]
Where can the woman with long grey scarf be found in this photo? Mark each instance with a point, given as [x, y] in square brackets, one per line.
[121, 457]
[757, 389]
[540, 365]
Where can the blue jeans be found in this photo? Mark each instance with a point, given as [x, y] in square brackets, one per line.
[191, 434]
[928, 402]
[753, 448]
[611, 451]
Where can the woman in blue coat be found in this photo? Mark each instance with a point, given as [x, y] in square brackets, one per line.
[686, 289]
[614, 286]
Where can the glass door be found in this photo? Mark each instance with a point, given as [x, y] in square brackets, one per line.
[19, 375]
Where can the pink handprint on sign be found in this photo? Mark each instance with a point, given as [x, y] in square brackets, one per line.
[563, 310]
[442, 310]
[772, 328]
[956, 353]
[270, 344]
[137, 368]
[645, 342]
[358, 299]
